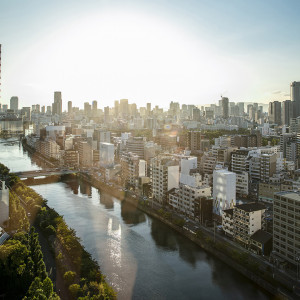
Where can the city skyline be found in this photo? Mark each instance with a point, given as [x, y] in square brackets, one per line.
[148, 52]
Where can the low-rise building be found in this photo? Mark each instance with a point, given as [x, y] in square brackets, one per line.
[247, 219]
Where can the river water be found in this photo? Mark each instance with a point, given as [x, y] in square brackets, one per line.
[141, 257]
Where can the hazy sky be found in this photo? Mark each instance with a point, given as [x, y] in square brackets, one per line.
[190, 51]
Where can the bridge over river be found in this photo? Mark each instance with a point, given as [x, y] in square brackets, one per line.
[48, 172]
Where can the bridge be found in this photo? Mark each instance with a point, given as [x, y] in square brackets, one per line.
[47, 172]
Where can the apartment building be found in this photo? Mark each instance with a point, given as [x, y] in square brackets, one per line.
[224, 191]
[164, 173]
[247, 219]
[85, 154]
[286, 226]
[132, 167]
[136, 145]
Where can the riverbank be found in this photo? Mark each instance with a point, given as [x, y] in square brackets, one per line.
[80, 272]
[38, 155]
[233, 256]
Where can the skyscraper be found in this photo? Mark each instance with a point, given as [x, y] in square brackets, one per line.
[275, 112]
[57, 105]
[287, 112]
[69, 107]
[94, 105]
[14, 103]
[295, 97]
[225, 107]
[124, 109]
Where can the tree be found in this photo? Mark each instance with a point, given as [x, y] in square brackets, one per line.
[74, 289]
[69, 277]
[47, 287]
[41, 270]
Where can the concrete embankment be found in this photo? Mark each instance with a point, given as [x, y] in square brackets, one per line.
[38, 155]
[121, 195]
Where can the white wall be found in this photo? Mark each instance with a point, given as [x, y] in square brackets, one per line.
[224, 190]
[173, 177]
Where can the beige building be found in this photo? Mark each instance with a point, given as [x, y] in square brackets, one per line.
[286, 226]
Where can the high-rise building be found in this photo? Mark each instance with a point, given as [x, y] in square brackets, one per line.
[148, 109]
[194, 140]
[225, 107]
[94, 105]
[224, 190]
[57, 105]
[106, 155]
[14, 103]
[287, 112]
[196, 114]
[124, 109]
[275, 112]
[164, 177]
[295, 97]
[87, 108]
[286, 233]
[69, 107]
[117, 107]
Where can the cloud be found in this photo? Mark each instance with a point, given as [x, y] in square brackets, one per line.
[276, 92]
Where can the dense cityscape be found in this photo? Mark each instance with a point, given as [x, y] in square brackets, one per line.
[228, 171]
[149, 150]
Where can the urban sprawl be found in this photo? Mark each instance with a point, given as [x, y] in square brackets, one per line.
[231, 168]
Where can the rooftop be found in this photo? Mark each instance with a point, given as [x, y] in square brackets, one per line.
[249, 207]
[261, 236]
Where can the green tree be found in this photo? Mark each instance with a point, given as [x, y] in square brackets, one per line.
[47, 287]
[74, 290]
[69, 277]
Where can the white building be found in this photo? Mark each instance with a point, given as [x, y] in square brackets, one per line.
[164, 176]
[4, 203]
[224, 190]
[107, 153]
[247, 219]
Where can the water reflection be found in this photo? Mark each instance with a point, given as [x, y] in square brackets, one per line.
[130, 214]
[145, 261]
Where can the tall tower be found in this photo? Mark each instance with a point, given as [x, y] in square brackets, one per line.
[14, 103]
[57, 105]
[225, 107]
[295, 97]
[275, 112]
[69, 107]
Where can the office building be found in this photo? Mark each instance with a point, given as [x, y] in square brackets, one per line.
[196, 114]
[286, 226]
[275, 112]
[295, 97]
[70, 108]
[194, 139]
[224, 190]
[14, 103]
[225, 107]
[107, 154]
[57, 105]
[287, 112]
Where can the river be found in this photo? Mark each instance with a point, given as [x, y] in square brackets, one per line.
[141, 257]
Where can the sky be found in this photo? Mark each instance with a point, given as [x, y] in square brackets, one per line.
[190, 51]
